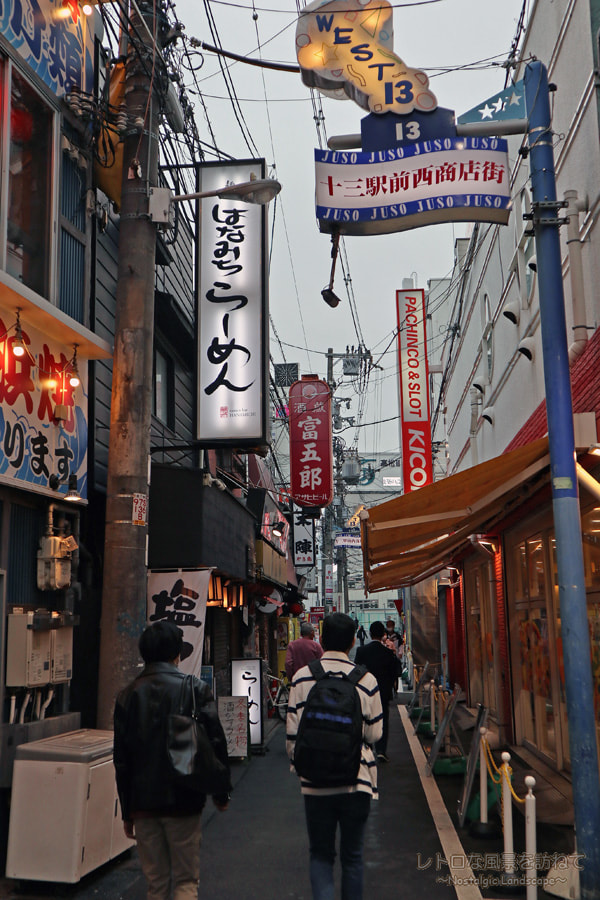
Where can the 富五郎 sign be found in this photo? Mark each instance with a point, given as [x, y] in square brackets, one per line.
[311, 453]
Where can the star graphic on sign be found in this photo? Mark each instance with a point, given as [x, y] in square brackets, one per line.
[487, 112]
[499, 105]
[515, 100]
[326, 54]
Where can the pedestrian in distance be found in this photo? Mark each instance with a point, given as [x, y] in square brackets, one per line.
[381, 661]
[162, 817]
[334, 718]
[300, 652]
[394, 636]
[395, 641]
[361, 634]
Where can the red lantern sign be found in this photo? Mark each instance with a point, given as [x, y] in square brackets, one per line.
[311, 451]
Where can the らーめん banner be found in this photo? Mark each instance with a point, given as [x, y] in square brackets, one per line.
[232, 312]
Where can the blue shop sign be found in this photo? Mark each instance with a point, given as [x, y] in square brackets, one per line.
[55, 40]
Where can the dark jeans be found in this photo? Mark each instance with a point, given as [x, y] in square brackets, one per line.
[381, 745]
[323, 814]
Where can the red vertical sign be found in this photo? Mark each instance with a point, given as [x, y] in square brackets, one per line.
[417, 468]
[311, 451]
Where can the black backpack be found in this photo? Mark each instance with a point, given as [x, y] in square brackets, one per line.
[329, 742]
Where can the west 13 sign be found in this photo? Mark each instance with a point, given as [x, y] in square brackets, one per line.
[347, 48]
[414, 390]
[233, 319]
[421, 173]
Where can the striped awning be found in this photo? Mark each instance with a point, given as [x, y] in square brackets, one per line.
[406, 539]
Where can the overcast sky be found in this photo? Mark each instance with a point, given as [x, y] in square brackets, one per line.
[447, 39]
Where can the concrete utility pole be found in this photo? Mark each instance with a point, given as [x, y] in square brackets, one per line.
[125, 575]
[567, 522]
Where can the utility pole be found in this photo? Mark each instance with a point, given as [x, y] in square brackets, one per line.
[125, 572]
[567, 521]
[335, 517]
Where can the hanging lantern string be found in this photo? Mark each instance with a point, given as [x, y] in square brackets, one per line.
[20, 349]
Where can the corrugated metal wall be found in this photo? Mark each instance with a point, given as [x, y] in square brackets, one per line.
[72, 240]
[26, 528]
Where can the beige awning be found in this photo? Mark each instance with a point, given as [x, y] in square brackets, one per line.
[406, 539]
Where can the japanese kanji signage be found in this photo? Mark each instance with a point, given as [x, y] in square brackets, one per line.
[233, 317]
[34, 443]
[347, 539]
[233, 715]
[246, 681]
[56, 41]
[180, 597]
[311, 452]
[304, 540]
[414, 390]
[442, 180]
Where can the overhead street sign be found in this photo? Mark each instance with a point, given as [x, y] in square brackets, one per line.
[508, 104]
[347, 539]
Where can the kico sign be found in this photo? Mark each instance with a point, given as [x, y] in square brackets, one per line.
[311, 453]
[414, 390]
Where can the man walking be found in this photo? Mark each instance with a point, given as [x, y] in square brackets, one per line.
[163, 818]
[346, 805]
[381, 662]
[300, 652]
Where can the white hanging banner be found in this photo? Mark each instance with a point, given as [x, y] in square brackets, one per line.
[232, 312]
[442, 180]
[180, 596]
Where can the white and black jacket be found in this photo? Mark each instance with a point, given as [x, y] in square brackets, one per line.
[368, 691]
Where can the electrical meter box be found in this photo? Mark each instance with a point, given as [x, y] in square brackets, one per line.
[53, 564]
[65, 818]
[28, 649]
[61, 655]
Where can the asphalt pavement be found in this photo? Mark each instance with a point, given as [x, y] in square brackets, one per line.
[258, 848]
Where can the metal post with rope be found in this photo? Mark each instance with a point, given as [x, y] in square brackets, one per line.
[503, 776]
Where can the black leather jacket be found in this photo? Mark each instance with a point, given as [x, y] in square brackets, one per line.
[140, 755]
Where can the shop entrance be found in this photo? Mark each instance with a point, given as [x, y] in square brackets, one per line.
[535, 643]
[482, 632]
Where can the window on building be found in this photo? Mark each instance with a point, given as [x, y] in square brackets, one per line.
[29, 186]
[525, 251]
[163, 400]
[487, 345]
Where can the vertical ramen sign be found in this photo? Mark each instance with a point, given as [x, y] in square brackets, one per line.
[232, 312]
[311, 453]
[417, 466]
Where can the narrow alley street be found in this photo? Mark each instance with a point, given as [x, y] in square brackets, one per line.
[258, 849]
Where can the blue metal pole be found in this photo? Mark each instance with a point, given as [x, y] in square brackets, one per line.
[565, 501]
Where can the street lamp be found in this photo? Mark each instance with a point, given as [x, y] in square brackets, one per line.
[258, 190]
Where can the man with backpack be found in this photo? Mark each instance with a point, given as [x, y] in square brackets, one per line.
[334, 718]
